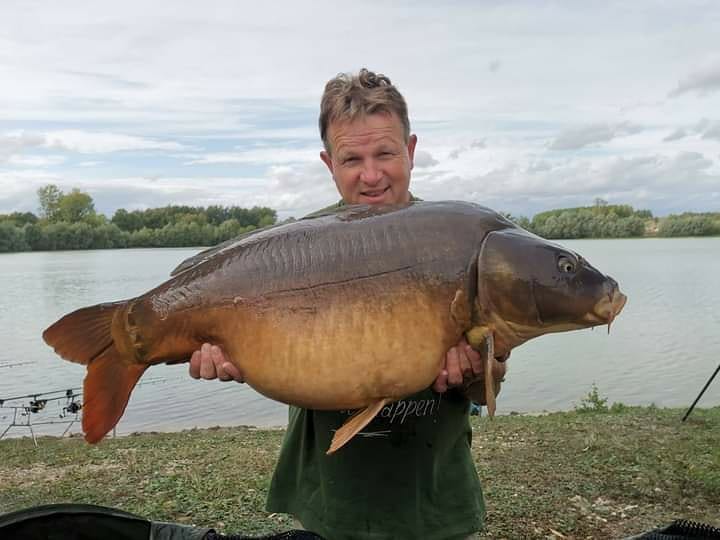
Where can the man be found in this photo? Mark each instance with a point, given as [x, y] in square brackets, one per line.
[409, 473]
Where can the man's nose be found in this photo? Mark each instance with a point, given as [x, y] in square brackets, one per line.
[371, 173]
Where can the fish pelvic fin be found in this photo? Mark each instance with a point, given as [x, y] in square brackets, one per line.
[109, 381]
[355, 423]
[84, 334]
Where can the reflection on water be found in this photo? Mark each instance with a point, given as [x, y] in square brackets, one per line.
[661, 349]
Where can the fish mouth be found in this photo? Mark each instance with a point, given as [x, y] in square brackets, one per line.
[607, 309]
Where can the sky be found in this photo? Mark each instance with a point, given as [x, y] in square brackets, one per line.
[519, 106]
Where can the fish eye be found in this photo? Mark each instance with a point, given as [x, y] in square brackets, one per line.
[566, 265]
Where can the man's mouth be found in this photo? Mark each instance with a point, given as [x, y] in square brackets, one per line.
[374, 193]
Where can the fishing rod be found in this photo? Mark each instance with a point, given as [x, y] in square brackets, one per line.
[67, 392]
[701, 393]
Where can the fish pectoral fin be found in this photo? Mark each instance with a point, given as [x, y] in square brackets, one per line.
[481, 339]
[355, 423]
[460, 309]
[109, 381]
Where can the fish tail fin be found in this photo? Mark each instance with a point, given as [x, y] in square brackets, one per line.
[109, 381]
[355, 423]
[84, 334]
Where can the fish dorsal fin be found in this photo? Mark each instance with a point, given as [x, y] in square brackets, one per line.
[109, 381]
[355, 423]
[213, 251]
[243, 239]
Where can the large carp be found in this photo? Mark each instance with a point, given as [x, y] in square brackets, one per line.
[350, 310]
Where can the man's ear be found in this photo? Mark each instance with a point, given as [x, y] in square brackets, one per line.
[327, 160]
[412, 141]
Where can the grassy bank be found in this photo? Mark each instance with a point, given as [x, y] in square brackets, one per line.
[594, 474]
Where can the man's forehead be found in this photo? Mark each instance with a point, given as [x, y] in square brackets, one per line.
[373, 129]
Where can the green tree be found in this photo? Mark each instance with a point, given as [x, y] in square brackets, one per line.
[12, 238]
[128, 221]
[75, 207]
[19, 219]
[49, 198]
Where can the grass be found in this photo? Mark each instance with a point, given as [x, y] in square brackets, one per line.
[596, 472]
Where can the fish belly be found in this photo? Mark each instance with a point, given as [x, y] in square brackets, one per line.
[344, 345]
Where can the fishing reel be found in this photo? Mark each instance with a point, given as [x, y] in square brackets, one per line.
[72, 406]
[36, 405]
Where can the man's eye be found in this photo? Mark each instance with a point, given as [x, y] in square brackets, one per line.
[350, 160]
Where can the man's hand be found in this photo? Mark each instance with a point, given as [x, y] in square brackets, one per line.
[461, 362]
[210, 362]
[464, 368]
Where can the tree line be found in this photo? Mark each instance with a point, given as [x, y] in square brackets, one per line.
[603, 220]
[69, 221]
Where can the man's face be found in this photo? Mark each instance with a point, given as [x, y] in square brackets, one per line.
[370, 160]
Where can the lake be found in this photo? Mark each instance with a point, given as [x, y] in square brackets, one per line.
[661, 350]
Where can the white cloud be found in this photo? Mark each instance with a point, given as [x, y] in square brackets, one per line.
[475, 144]
[17, 142]
[576, 138]
[36, 161]
[712, 131]
[703, 81]
[424, 159]
[529, 186]
[258, 155]
[87, 142]
[677, 134]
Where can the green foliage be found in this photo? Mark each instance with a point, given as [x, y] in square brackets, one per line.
[599, 221]
[186, 235]
[56, 206]
[75, 206]
[690, 224]
[19, 218]
[12, 238]
[49, 199]
[69, 221]
[592, 402]
[158, 218]
[520, 221]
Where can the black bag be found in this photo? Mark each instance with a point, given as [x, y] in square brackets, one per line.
[90, 522]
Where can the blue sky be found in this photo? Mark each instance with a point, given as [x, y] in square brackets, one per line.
[521, 106]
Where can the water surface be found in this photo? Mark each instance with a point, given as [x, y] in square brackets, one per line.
[661, 350]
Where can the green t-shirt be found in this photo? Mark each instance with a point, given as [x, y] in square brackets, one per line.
[409, 474]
